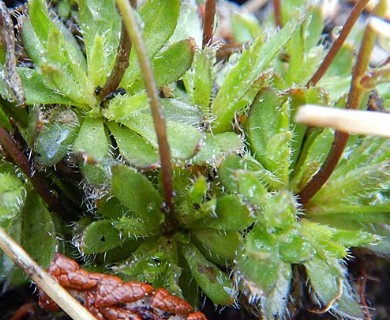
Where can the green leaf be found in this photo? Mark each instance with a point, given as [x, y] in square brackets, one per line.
[258, 261]
[300, 96]
[358, 183]
[303, 49]
[374, 225]
[189, 23]
[326, 279]
[274, 305]
[100, 25]
[99, 61]
[365, 215]
[216, 147]
[62, 73]
[92, 146]
[155, 262]
[8, 271]
[3, 54]
[213, 282]
[190, 213]
[159, 20]
[199, 80]
[138, 227]
[233, 166]
[245, 26]
[266, 177]
[92, 140]
[44, 27]
[29, 37]
[251, 187]
[57, 137]
[111, 208]
[342, 64]
[227, 172]
[294, 247]
[190, 193]
[181, 111]
[53, 48]
[100, 236]
[37, 91]
[334, 243]
[183, 138]
[12, 196]
[136, 192]
[117, 254]
[235, 92]
[122, 107]
[4, 120]
[170, 64]
[39, 237]
[312, 156]
[231, 215]
[96, 174]
[134, 149]
[337, 87]
[268, 133]
[197, 192]
[218, 246]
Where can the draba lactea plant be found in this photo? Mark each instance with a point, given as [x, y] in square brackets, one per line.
[81, 171]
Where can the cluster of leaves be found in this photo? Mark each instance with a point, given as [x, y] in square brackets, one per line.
[236, 210]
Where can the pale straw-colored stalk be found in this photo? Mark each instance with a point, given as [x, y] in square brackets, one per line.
[369, 123]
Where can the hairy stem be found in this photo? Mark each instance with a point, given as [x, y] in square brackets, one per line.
[157, 112]
[277, 13]
[354, 101]
[38, 181]
[43, 280]
[352, 18]
[208, 25]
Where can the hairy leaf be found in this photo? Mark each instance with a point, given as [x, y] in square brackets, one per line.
[214, 283]
[170, 64]
[159, 20]
[236, 92]
[136, 193]
[100, 236]
[100, 24]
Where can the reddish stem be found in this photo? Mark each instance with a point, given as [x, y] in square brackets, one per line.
[362, 282]
[319, 179]
[208, 22]
[40, 184]
[227, 49]
[277, 13]
[354, 100]
[24, 312]
[352, 18]
[121, 64]
[156, 109]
